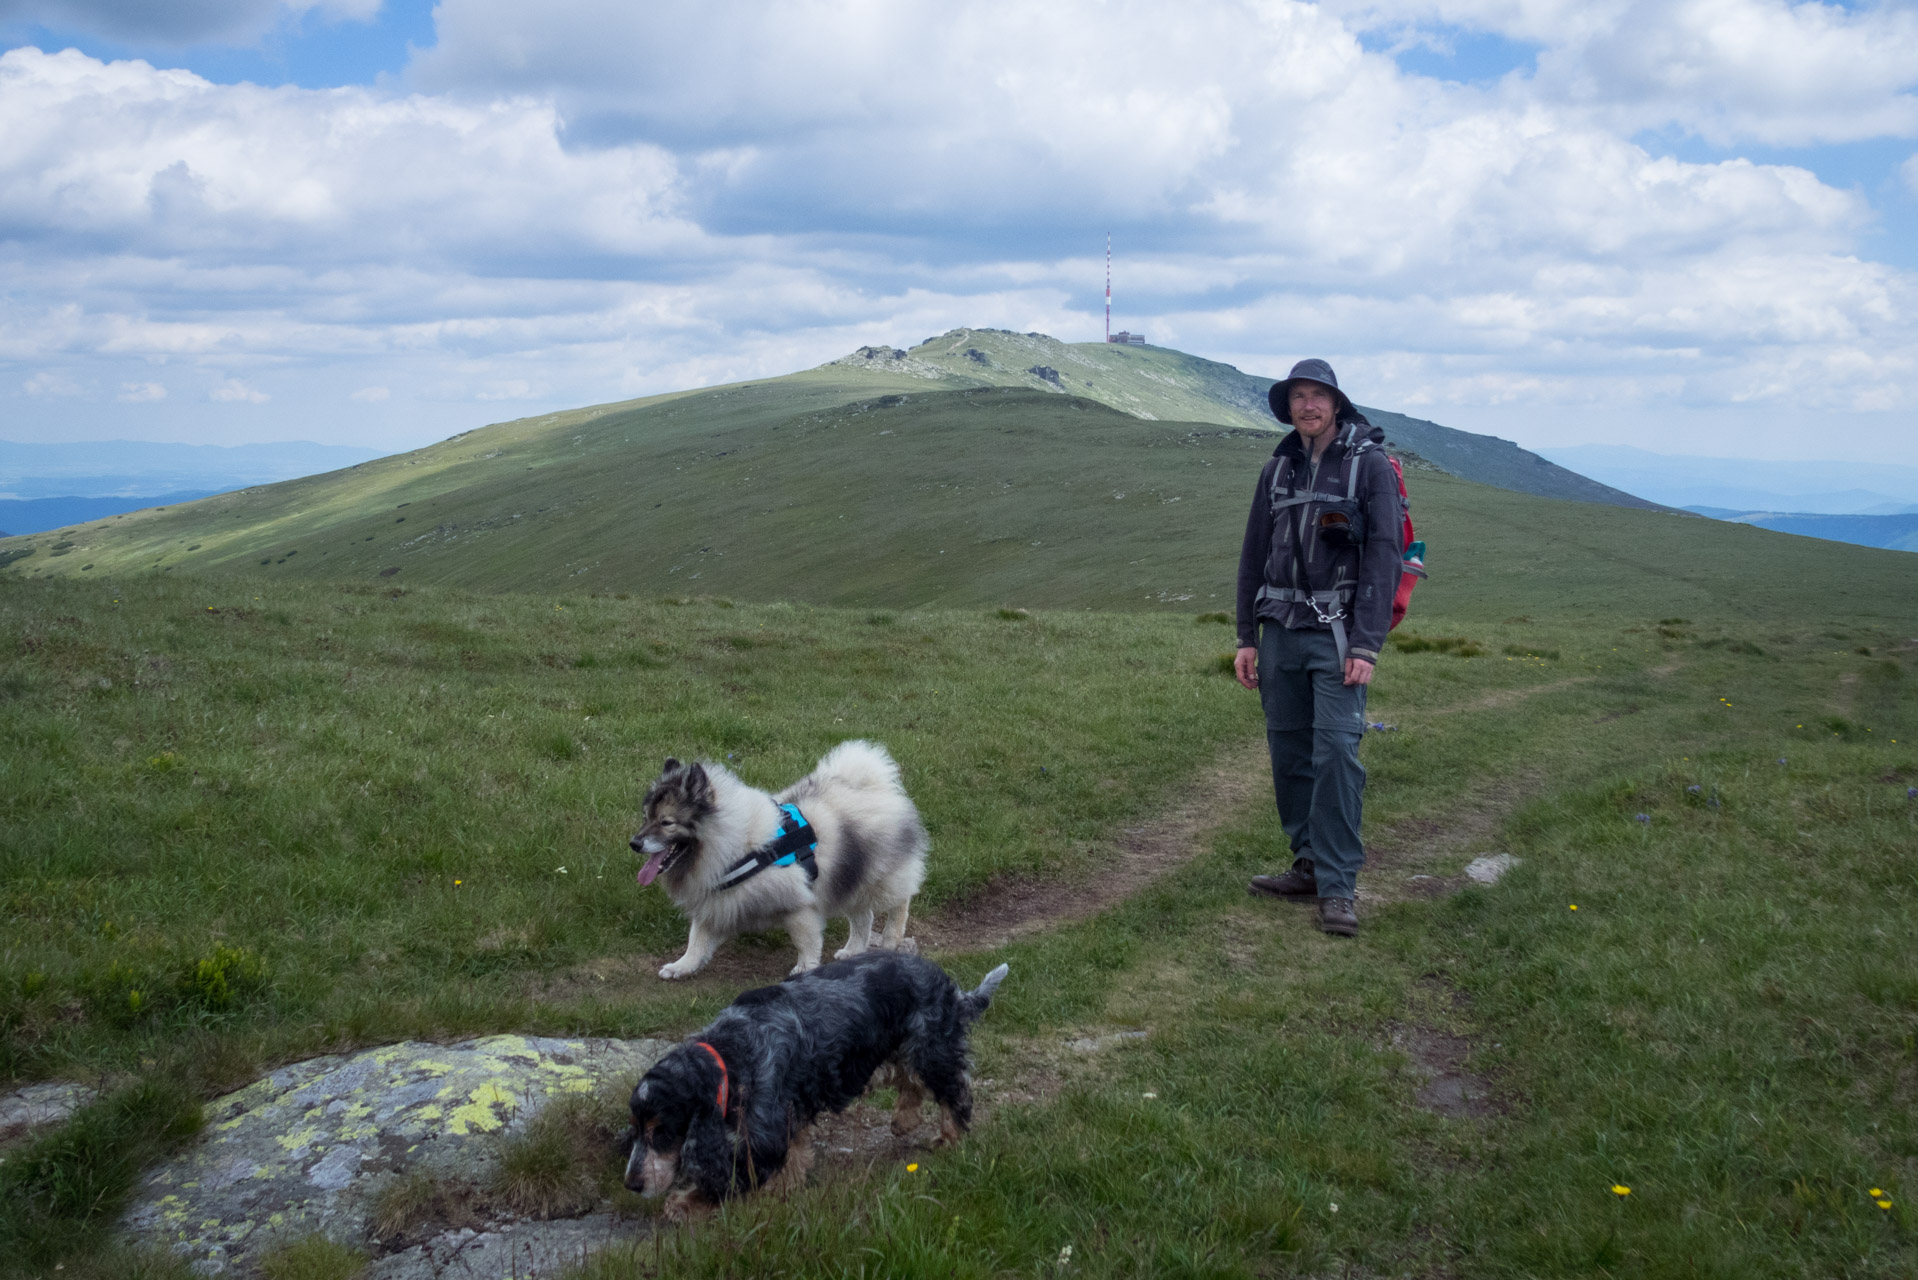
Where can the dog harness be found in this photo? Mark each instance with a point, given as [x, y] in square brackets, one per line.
[794, 842]
[721, 1099]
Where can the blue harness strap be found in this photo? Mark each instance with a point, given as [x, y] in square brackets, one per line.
[792, 844]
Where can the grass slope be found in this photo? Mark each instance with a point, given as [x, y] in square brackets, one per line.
[245, 818]
[785, 491]
[608, 471]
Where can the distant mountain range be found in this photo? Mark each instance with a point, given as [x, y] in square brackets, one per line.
[1740, 485]
[50, 486]
[1897, 532]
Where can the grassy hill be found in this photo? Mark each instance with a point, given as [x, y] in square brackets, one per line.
[786, 490]
[1018, 477]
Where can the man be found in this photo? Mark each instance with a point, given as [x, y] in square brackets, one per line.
[1317, 572]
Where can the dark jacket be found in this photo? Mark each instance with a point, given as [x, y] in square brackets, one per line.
[1286, 551]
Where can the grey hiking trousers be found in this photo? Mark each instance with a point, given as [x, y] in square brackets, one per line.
[1313, 723]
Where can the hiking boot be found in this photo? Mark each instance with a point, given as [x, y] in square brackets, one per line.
[1338, 916]
[1299, 882]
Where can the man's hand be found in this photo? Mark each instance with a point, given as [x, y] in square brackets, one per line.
[1245, 665]
[1357, 670]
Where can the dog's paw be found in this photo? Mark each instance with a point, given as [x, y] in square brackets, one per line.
[685, 1206]
[804, 966]
[847, 952]
[678, 969]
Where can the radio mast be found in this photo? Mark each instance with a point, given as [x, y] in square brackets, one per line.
[1108, 286]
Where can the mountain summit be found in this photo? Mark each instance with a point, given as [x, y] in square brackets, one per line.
[1158, 384]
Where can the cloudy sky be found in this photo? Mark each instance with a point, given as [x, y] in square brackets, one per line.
[1688, 225]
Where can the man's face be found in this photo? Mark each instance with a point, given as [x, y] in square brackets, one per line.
[1315, 410]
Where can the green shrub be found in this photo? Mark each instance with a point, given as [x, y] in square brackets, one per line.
[224, 977]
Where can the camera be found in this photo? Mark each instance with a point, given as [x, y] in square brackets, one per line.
[1340, 525]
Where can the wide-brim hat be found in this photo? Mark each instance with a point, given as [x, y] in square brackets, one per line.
[1307, 371]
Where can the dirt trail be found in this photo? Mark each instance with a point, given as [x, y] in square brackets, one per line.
[1506, 697]
[1403, 860]
[1013, 907]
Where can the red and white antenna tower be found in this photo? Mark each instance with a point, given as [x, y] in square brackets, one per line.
[1108, 286]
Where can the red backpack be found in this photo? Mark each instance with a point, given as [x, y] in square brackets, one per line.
[1414, 568]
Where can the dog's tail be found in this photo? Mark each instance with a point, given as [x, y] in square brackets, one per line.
[858, 763]
[974, 1002]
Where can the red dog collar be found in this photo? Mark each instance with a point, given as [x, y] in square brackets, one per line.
[722, 1075]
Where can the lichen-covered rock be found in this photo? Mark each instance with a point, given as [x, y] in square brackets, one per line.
[308, 1148]
[39, 1106]
[522, 1250]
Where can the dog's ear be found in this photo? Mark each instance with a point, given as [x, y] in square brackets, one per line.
[670, 765]
[706, 1159]
[699, 786]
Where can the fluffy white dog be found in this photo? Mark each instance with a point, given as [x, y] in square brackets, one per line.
[845, 840]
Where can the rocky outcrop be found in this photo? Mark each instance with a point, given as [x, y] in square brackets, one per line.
[309, 1149]
[889, 360]
[40, 1106]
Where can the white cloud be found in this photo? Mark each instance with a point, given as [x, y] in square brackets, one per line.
[141, 392]
[595, 200]
[233, 391]
[49, 382]
[1728, 70]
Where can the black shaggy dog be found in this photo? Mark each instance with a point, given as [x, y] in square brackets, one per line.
[732, 1108]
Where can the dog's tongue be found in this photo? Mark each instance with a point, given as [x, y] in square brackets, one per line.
[648, 872]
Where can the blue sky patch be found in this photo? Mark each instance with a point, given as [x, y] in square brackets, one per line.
[308, 50]
[1453, 53]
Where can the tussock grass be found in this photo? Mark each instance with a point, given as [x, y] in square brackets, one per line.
[70, 1183]
[558, 1164]
[1457, 646]
[313, 1258]
[416, 1200]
